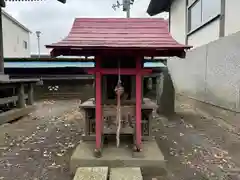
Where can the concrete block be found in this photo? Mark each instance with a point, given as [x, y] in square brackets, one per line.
[131, 173]
[15, 113]
[4, 77]
[91, 173]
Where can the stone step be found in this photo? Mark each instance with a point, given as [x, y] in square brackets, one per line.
[91, 173]
[127, 173]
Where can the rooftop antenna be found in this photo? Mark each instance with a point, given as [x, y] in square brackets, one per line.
[126, 4]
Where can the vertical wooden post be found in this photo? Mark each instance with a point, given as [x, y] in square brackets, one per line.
[98, 111]
[104, 89]
[138, 104]
[133, 84]
[30, 94]
[21, 99]
[158, 90]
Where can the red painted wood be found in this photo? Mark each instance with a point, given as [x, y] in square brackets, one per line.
[98, 109]
[138, 104]
[125, 71]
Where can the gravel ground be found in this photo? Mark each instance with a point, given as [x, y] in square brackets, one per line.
[196, 145]
[38, 147]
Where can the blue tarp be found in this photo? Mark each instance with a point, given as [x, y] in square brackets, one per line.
[66, 64]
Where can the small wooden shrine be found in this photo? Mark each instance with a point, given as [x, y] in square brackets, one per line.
[119, 47]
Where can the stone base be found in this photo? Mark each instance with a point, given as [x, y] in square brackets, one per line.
[152, 161]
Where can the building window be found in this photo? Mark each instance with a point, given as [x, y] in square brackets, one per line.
[195, 18]
[25, 45]
[210, 9]
[202, 11]
[189, 2]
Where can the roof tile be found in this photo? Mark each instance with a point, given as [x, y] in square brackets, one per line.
[119, 32]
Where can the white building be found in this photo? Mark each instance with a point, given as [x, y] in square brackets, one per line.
[198, 22]
[16, 37]
[211, 71]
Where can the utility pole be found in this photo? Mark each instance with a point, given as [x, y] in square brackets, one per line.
[38, 38]
[127, 7]
[126, 4]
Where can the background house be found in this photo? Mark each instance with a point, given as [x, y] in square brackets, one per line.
[211, 70]
[66, 77]
[16, 37]
[198, 22]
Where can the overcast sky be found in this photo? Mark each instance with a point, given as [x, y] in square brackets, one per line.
[54, 19]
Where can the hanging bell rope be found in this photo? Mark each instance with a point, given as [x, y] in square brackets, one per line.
[119, 90]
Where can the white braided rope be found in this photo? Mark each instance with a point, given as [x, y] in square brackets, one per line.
[119, 91]
[118, 125]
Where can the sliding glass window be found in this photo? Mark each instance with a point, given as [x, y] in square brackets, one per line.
[202, 11]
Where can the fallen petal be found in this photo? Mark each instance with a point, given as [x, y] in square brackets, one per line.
[181, 134]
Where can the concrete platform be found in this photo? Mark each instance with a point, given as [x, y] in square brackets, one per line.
[152, 160]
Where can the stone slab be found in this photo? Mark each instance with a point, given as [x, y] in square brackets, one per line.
[133, 173]
[91, 173]
[112, 157]
[4, 77]
[147, 104]
[13, 114]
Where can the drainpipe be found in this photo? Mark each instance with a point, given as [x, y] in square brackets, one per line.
[1, 45]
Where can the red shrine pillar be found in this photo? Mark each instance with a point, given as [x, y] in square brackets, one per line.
[138, 103]
[98, 102]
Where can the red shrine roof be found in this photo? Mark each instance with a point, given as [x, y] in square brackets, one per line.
[117, 33]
